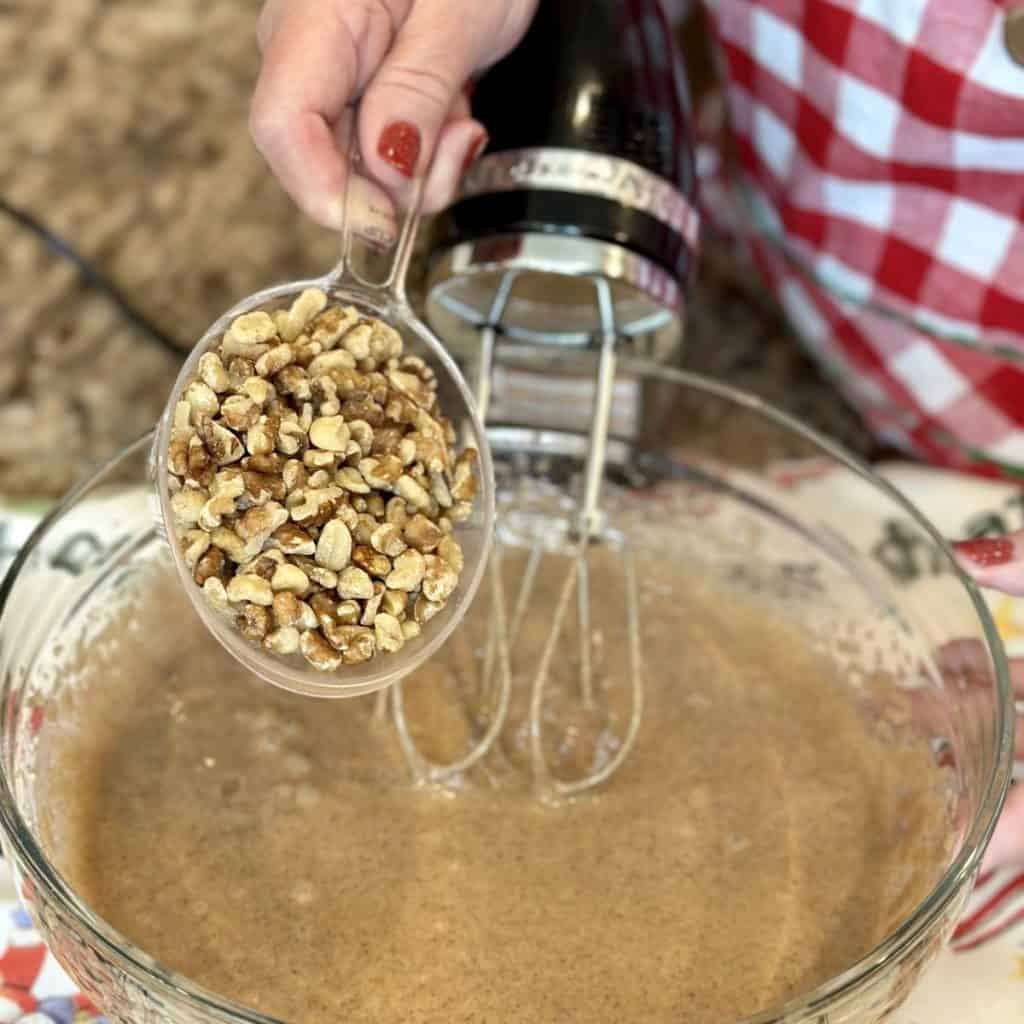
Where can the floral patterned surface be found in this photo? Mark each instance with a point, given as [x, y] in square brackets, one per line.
[33, 988]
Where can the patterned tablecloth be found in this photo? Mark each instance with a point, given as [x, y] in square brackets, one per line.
[978, 980]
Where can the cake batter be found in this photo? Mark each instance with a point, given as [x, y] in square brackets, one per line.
[272, 848]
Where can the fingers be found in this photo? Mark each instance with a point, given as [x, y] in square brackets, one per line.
[967, 660]
[407, 63]
[311, 70]
[1017, 679]
[1007, 845]
[307, 77]
[364, 207]
[969, 663]
[267, 21]
[408, 100]
[996, 562]
[460, 143]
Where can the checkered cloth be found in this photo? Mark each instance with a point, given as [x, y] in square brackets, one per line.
[881, 171]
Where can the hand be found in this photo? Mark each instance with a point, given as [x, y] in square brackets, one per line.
[407, 62]
[999, 563]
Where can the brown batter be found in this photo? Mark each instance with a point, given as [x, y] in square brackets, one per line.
[756, 842]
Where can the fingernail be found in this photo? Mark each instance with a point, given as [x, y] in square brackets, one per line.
[985, 552]
[469, 88]
[399, 145]
[473, 153]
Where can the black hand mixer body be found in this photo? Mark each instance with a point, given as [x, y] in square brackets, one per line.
[594, 78]
[575, 235]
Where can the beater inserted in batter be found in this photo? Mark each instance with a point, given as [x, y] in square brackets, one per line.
[581, 530]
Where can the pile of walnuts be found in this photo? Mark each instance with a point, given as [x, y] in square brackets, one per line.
[315, 485]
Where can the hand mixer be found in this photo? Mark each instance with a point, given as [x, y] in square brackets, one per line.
[570, 244]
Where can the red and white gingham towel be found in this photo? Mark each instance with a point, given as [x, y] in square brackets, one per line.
[881, 151]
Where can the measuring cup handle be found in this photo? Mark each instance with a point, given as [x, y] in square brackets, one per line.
[377, 231]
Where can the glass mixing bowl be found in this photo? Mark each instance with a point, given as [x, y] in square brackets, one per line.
[740, 526]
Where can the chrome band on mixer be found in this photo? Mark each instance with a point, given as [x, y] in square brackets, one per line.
[559, 255]
[597, 174]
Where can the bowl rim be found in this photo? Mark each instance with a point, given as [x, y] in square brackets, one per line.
[18, 837]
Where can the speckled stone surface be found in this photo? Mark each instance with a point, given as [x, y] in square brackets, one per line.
[125, 130]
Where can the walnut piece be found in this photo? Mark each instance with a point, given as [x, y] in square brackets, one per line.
[314, 483]
[334, 547]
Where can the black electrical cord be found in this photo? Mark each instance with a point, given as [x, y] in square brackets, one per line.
[62, 248]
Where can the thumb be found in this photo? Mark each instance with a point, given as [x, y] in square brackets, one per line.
[996, 562]
[409, 98]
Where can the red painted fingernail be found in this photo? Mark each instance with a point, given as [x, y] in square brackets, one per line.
[986, 551]
[473, 153]
[400, 145]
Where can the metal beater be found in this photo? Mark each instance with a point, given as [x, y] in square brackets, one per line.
[571, 243]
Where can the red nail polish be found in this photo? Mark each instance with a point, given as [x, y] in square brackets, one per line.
[400, 145]
[473, 153]
[986, 551]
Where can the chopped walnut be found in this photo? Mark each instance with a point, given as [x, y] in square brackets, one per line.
[393, 602]
[287, 609]
[318, 652]
[408, 571]
[388, 632]
[214, 592]
[289, 577]
[210, 565]
[314, 484]
[250, 588]
[334, 546]
[420, 533]
[355, 583]
[387, 539]
[439, 580]
[450, 552]
[254, 622]
[370, 561]
[293, 540]
[283, 641]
